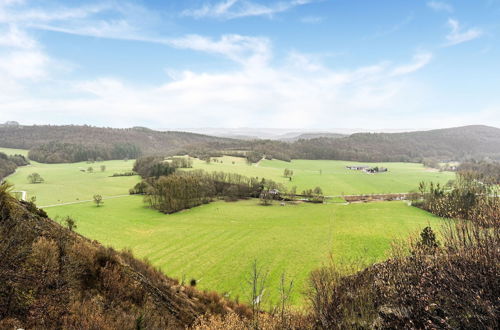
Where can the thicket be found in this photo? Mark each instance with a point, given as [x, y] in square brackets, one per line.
[8, 164]
[487, 172]
[183, 190]
[466, 198]
[57, 152]
[153, 166]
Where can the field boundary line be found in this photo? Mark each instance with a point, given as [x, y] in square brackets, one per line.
[82, 201]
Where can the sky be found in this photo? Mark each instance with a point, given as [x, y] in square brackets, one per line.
[309, 64]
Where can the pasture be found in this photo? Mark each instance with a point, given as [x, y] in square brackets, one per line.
[217, 243]
[65, 183]
[332, 175]
[9, 151]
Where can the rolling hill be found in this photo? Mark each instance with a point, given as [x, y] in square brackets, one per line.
[55, 144]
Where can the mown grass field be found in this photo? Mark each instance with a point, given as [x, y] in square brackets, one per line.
[9, 151]
[67, 183]
[331, 175]
[217, 243]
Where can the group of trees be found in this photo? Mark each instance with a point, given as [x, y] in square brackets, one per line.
[153, 166]
[58, 152]
[465, 198]
[186, 189]
[484, 171]
[181, 162]
[8, 164]
[287, 173]
[35, 178]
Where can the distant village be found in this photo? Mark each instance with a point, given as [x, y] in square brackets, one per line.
[367, 169]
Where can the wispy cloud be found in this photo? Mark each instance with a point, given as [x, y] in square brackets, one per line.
[419, 61]
[231, 9]
[440, 6]
[242, 49]
[312, 19]
[458, 35]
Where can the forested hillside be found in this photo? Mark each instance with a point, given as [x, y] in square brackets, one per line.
[443, 144]
[53, 278]
[56, 144]
[77, 143]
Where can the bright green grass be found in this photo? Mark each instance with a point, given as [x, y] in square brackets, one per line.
[217, 243]
[9, 151]
[332, 176]
[66, 183]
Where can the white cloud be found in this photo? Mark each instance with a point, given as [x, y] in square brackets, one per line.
[457, 35]
[440, 6]
[312, 19]
[299, 93]
[12, 36]
[24, 65]
[231, 9]
[242, 49]
[419, 61]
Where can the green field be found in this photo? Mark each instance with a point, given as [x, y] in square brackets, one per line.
[9, 151]
[66, 183]
[332, 176]
[217, 243]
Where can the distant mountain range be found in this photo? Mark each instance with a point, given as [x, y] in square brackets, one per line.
[283, 134]
[73, 143]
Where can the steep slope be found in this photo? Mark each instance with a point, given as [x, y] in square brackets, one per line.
[53, 278]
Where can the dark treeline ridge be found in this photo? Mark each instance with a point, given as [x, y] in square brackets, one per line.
[459, 143]
[53, 278]
[451, 144]
[75, 142]
[55, 152]
[8, 164]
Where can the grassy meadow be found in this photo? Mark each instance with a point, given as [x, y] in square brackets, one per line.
[10, 151]
[217, 243]
[66, 183]
[331, 175]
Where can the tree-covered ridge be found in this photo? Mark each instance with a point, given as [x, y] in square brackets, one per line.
[51, 143]
[106, 140]
[55, 152]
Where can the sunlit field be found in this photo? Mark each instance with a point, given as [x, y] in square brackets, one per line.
[217, 243]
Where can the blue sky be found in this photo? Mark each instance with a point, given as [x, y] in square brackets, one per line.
[311, 64]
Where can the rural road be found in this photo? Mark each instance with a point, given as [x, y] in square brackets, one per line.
[23, 194]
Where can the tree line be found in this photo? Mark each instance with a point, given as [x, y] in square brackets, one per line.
[57, 152]
[8, 164]
[186, 189]
[465, 198]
